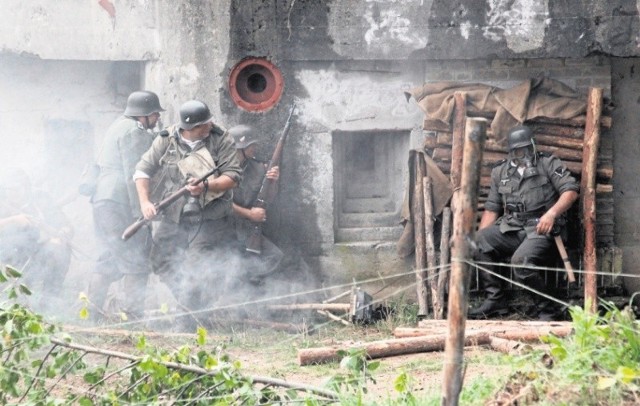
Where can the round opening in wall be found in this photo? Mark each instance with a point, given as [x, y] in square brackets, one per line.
[255, 84]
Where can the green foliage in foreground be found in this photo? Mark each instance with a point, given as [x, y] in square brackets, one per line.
[598, 364]
[41, 367]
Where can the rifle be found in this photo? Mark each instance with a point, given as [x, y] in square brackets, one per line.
[163, 204]
[254, 241]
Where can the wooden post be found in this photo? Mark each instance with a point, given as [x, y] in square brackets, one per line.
[417, 210]
[588, 195]
[430, 247]
[464, 224]
[443, 274]
[457, 143]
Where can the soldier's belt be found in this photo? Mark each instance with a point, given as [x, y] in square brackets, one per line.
[526, 215]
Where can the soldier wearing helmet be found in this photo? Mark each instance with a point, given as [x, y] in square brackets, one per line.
[529, 196]
[246, 214]
[115, 205]
[194, 236]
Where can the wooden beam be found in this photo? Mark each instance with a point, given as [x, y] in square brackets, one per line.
[419, 236]
[464, 224]
[588, 195]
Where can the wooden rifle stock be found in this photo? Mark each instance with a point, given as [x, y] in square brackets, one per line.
[254, 241]
[163, 204]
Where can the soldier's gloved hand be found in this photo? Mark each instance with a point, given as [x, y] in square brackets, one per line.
[546, 222]
[257, 215]
[273, 173]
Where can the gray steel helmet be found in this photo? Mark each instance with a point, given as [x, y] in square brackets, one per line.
[142, 103]
[193, 113]
[243, 136]
[520, 136]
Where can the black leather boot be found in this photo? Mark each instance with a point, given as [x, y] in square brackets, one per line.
[489, 308]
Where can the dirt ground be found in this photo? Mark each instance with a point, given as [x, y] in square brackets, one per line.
[270, 353]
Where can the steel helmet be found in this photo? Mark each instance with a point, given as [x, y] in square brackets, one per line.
[142, 103]
[520, 136]
[193, 113]
[243, 136]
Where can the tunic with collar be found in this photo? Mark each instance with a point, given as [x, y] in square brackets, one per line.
[125, 142]
[533, 195]
[160, 162]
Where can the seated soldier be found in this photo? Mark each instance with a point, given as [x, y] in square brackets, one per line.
[529, 196]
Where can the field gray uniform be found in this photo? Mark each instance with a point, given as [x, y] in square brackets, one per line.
[245, 195]
[190, 257]
[522, 202]
[115, 207]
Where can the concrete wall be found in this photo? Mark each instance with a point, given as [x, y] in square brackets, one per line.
[345, 65]
[80, 30]
[626, 121]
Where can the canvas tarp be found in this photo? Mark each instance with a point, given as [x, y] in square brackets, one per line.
[539, 97]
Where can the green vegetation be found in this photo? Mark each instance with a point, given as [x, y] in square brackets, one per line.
[598, 364]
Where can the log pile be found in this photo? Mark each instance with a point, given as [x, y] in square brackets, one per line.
[431, 336]
[563, 138]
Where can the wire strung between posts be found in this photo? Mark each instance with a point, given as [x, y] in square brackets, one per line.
[560, 270]
[274, 298]
[522, 285]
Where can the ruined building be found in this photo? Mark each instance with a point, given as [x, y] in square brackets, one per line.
[66, 68]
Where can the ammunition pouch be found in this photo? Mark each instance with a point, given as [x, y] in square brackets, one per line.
[191, 211]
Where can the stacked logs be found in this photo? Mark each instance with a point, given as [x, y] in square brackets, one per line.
[562, 138]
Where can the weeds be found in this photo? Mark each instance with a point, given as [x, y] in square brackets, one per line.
[598, 363]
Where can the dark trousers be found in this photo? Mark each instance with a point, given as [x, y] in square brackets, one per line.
[120, 259]
[195, 260]
[531, 249]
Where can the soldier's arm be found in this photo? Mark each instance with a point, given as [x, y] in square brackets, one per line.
[147, 208]
[255, 214]
[564, 203]
[488, 218]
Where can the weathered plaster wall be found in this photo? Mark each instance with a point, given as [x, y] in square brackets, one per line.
[345, 65]
[444, 29]
[80, 30]
[194, 42]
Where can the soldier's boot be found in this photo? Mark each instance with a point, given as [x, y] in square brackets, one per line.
[134, 288]
[489, 308]
[97, 294]
[544, 308]
[495, 303]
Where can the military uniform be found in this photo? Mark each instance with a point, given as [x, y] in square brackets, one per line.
[40, 249]
[521, 202]
[245, 195]
[192, 257]
[115, 207]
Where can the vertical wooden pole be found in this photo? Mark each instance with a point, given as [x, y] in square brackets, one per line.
[418, 228]
[430, 247]
[588, 195]
[464, 224]
[457, 143]
[444, 254]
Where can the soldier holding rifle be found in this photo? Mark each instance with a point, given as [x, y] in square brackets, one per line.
[195, 239]
[265, 260]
